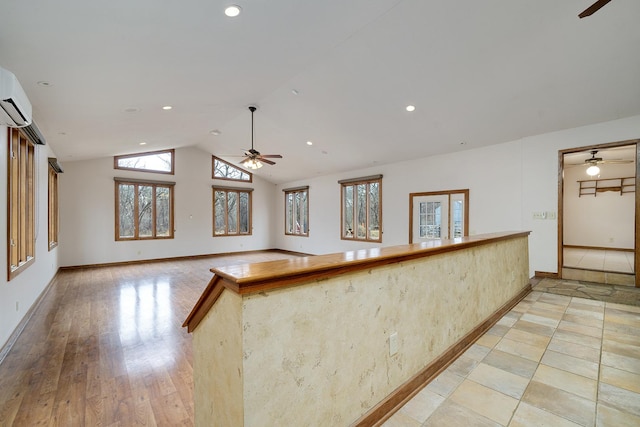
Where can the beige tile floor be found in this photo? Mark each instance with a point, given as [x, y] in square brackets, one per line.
[553, 360]
[601, 260]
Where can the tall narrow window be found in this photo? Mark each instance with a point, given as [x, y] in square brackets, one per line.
[152, 161]
[21, 199]
[361, 207]
[231, 211]
[144, 209]
[54, 170]
[296, 208]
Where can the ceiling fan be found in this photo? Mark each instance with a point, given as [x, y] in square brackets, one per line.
[593, 8]
[253, 159]
[593, 162]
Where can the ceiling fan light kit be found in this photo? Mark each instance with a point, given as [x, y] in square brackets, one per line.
[252, 164]
[592, 163]
[254, 160]
[593, 170]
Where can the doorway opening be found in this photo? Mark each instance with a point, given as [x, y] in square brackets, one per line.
[599, 213]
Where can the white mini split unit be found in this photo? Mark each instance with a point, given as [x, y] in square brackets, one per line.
[15, 108]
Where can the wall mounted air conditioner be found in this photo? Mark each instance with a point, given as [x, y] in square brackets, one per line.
[15, 108]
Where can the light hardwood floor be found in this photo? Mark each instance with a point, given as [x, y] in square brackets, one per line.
[106, 347]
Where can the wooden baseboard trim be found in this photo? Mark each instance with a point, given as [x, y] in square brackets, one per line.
[533, 281]
[622, 273]
[546, 275]
[23, 323]
[377, 415]
[178, 258]
[599, 248]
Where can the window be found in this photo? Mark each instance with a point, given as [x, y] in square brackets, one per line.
[296, 207]
[54, 170]
[152, 161]
[224, 170]
[430, 219]
[438, 215]
[144, 209]
[361, 208]
[21, 199]
[231, 211]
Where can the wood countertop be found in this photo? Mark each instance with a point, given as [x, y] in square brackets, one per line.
[263, 276]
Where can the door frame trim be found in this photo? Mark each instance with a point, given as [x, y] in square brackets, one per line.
[560, 239]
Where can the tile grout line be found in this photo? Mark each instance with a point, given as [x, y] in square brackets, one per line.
[604, 316]
[515, 410]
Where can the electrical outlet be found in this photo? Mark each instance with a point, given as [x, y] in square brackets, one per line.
[551, 215]
[393, 343]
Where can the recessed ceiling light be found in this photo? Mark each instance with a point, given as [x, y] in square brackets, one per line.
[44, 83]
[131, 110]
[167, 107]
[215, 132]
[309, 143]
[143, 143]
[410, 108]
[295, 91]
[232, 11]
[463, 143]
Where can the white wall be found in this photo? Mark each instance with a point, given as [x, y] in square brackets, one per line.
[25, 288]
[87, 213]
[507, 183]
[607, 220]
[490, 211]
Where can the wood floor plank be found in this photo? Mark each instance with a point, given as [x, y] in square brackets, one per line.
[39, 413]
[11, 402]
[106, 347]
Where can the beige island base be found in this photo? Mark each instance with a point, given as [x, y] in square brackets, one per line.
[345, 339]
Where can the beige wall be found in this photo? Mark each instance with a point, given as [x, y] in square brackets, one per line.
[318, 353]
[217, 364]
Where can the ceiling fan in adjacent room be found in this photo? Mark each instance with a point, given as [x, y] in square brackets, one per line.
[253, 159]
[593, 8]
[593, 162]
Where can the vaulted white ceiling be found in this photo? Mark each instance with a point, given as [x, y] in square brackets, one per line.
[478, 72]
